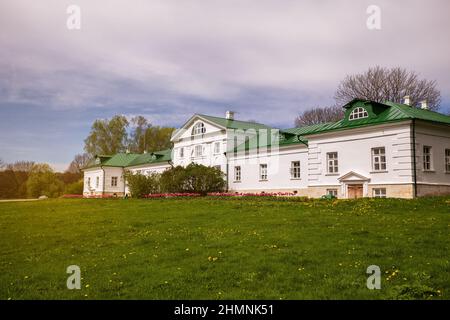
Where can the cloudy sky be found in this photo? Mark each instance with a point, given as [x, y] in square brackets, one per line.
[267, 60]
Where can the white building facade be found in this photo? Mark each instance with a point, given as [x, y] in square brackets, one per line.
[376, 150]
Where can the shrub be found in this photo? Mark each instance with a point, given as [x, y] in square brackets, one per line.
[43, 182]
[195, 178]
[141, 185]
[74, 188]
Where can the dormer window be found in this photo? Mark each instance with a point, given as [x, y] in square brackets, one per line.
[199, 128]
[358, 113]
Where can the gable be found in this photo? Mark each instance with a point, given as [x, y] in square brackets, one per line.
[353, 176]
[186, 130]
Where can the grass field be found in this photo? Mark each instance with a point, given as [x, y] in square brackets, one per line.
[225, 248]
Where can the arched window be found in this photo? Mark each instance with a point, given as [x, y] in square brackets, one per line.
[199, 128]
[358, 113]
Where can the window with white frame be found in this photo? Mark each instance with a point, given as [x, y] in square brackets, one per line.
[113, 181]
[379, 159]
[181, 154]
[295, 169]
[332, 162]
[447, 160]
[427, 158]
[198, 151]
[199, 128]
[89, 182]
[216, 147]
[263, 171]
[332, 192]
[237, 173]
[358, 113]
[379, 193]
[97, 182]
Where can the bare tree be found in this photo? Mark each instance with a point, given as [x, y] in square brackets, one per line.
[319, 115]
[2, 164]
[380, 84]
[79, 161]
[23, 166]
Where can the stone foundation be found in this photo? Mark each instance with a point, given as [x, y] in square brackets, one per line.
[432, 190]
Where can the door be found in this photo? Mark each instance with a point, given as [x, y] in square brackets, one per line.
[354, 191]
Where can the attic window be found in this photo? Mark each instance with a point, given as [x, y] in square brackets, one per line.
[199, 128]
[358, 113]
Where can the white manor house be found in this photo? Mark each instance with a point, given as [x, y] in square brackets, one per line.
[376, 150]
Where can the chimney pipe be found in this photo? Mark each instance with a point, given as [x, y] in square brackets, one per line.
[407, 100]
[424, 104]
[229, 115]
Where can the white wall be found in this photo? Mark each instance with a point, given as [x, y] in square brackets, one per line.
[278, 167]
[354, 154]
[212, 135]
[114, 172]
[438, 138]
[93, 174]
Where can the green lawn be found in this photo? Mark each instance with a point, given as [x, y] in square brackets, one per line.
[225, 248]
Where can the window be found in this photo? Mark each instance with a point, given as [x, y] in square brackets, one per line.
[181, 152]
[237, 173]
[378, 159]
[89, 182]
[332, 162]
[332, 192]
[295, 170]
[358, 113]
[198, 151]
[426, 158]
[263, 172]
[199, 128]
[379, 192]
[97, 182]
[113, 181]
[447, 160]
[216, 147]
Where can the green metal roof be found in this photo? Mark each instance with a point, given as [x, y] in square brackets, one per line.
[378, 113]
[153, 157]
[234, 124]
[130, 159]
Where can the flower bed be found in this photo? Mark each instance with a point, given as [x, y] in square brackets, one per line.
[249, 194]
[171, 195]
[219, 194]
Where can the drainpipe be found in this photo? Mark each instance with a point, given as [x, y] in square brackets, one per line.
[225, 154]
[414, 157]
[103, 185]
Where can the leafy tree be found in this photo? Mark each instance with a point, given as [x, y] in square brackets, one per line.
[194, 178]
[8, 185]
[43, 181]
[319, 115]
[141, 185]
[24, 166]
[107, 136]
[78, 162]
[381, 84]
[74, 188]
[145, 137]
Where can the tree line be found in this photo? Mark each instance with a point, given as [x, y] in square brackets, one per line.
[27, 179]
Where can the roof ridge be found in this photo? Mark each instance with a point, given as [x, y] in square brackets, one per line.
[223, 118]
